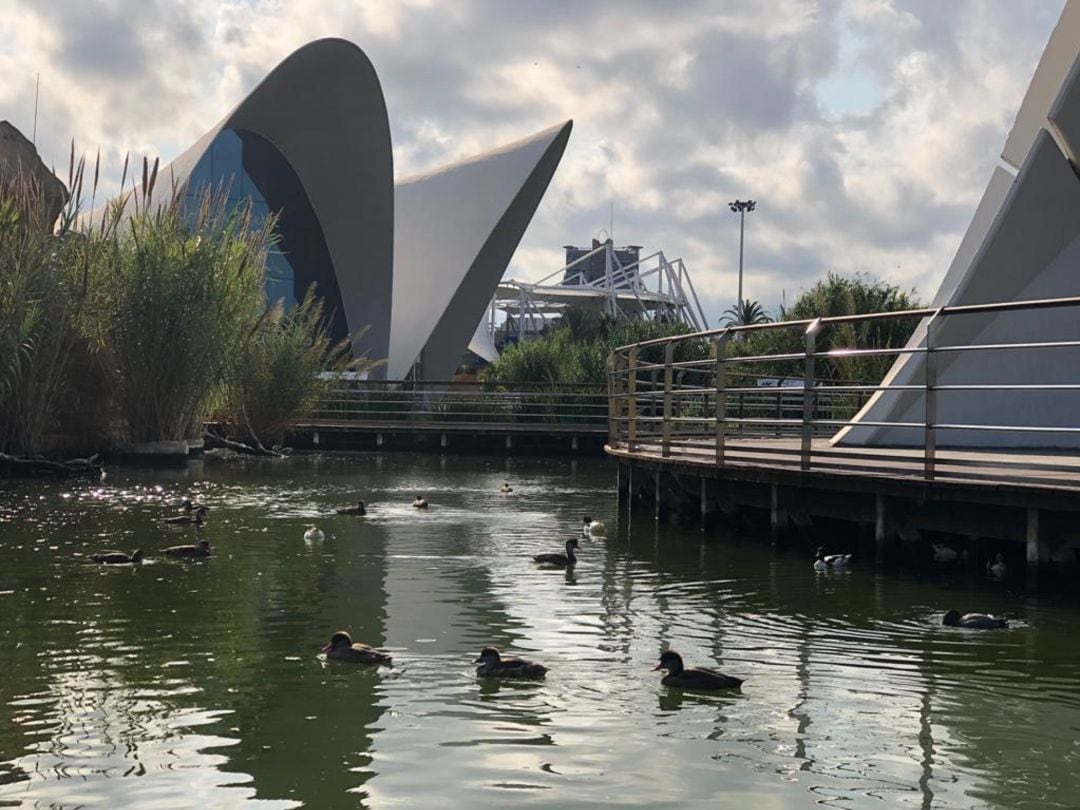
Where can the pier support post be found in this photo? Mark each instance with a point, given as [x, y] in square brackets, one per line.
[378, 440]
[1038, 550]
[509, 442]
[881, 527]
[656, 495]
[442, 441]
[777, 515]
[573, 444]
[315, 438]
[704, 503]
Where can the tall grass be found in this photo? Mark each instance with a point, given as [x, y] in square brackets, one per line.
[140, 319]
[176, 298]
[288, 364]
[43, 285]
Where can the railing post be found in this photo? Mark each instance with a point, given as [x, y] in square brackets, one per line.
[631, 399]
[808, 397]
[614, 402]
[930, 398]
[665, 436]
[721, 398]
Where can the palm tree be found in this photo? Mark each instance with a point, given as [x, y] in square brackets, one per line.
[746, 313]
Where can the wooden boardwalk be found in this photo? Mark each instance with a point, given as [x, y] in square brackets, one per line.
[1047, 471]
[1021, 496]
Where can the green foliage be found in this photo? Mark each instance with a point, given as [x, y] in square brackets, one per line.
[176, 294]
[577, 350]
[746, 313]
[142, 319]
[42, 291]
[286, 367]
[831, 297]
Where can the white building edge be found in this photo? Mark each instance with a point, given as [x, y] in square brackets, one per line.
[1023, 243]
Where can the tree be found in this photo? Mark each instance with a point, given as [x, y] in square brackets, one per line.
[835, 296]
[746, 313]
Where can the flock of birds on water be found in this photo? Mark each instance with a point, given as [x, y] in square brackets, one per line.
[492, 663]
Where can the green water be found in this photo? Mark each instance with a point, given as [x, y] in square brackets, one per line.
[198, 684]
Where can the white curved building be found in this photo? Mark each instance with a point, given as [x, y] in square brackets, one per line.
[1023, 243]
[415, 262]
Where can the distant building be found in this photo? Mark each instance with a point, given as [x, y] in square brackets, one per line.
[581, 271]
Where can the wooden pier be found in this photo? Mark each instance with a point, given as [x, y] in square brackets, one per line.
[703, 435]
[977, 501]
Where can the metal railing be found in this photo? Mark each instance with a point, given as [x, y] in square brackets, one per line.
[773, 393]
[565, 407]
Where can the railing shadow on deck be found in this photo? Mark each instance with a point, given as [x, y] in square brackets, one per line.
[770, 394]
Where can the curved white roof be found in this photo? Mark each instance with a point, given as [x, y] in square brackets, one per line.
[455, 229]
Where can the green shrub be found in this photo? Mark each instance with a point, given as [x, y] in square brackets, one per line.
[285, 368]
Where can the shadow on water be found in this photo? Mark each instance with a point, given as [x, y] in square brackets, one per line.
[131, 686]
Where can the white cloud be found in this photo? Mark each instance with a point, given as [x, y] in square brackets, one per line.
[677, 108]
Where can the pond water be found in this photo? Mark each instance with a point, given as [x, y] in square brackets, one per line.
[199, 684]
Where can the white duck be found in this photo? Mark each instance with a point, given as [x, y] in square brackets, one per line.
[592, 528]
[997, 568]
[830, 562]
[944, 553]
[314, 534]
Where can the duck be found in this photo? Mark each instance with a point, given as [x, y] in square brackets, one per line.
[187, 519]
[506, 489]
[342, 648]
[592, 528]
[112, 557]
[314, 534]
[997, 568]
[359, 509]
[682, 677]
[557, 558]
[944, 553]
[830, 562]
[973, 621]
[191, 552]
[493, 665]
[419, 503]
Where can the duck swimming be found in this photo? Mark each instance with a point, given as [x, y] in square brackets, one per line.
[342, 648]
[592, 528]
[187, 519]
[693, 678]
[419, 503]
[493, 665]
[113, 557]
[506, 489]
[997, 568]
[359, 509]
[314, 534]
[944, 553]
[973, 621]
[190, 552]
[557, 558]
[830, 562]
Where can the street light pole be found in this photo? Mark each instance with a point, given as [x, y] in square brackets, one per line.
[740, 207]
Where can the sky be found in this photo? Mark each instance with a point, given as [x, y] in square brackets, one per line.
[865, 129]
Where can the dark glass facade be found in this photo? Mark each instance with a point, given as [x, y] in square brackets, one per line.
[248, 167]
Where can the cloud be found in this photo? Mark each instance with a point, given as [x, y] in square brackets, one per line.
[866, 129]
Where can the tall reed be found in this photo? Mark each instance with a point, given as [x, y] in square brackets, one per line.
[177, 295]
[43, 287]
[287, 366]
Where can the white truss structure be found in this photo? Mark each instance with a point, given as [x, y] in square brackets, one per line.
[652, 288]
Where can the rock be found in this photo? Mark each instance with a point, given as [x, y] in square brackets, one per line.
[18, 157]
